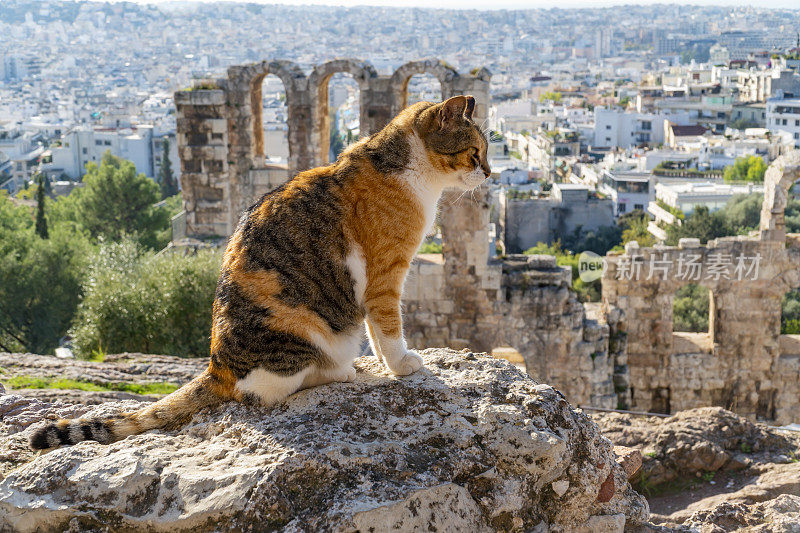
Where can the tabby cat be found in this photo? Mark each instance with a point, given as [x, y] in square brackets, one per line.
[310, 263]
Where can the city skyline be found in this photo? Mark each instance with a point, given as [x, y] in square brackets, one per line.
[482, 5]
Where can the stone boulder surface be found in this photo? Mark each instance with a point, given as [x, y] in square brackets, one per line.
[781, 515]
[117, 368]
[696, 441]
[469, 443]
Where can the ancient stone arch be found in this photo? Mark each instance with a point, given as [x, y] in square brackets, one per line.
[294, 81]
[399, 80]
[362, 71]
[221, 141]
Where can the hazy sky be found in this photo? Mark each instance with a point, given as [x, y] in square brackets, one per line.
[512, 4]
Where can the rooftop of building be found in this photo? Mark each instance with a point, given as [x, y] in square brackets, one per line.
[686, 131]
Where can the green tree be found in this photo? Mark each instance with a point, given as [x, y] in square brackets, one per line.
[166, 178]
[790, 313]
[599, 241]
[116, 201]
[550, 95]
[742, 213]
[634, 226]
[690, 309]
[587, 292]
[336, 142]
[41, 280]
[702, 224]
[41, 220]
[750, 168]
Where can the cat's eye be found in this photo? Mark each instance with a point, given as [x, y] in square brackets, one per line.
[475, 159]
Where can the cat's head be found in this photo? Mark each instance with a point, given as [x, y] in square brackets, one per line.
[455, 145]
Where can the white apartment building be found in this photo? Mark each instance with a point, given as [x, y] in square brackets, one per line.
[687, 196]
[615, 128]
[19, 157]
[84, 144]
[712, 110]
[628, 190]
[783, 115]
[758, 85]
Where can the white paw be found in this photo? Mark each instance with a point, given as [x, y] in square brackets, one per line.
[410, 363]
[345, 374]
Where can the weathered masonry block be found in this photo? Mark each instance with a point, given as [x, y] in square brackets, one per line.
[742, 363]
[221, 140]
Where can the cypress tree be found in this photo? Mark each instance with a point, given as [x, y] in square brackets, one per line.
[169, 186]
[41, 221]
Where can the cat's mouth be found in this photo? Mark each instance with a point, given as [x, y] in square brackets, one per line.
[473, 180]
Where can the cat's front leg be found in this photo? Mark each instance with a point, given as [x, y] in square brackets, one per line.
[372, 335]
[385, 327]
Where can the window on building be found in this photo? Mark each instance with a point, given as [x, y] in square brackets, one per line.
[647, 125]
[784, 122]
[608, 126]
[85, 151]
[621, 208]
[98, 142]
[107, 143]
[608, 139]
[797, 122]
[638, 206]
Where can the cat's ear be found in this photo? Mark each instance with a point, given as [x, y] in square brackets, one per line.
[453, 109]
[470, 107]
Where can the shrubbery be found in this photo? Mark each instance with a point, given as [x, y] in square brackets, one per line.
[138, 301]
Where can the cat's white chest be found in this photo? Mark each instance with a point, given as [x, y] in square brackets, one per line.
[357, 266]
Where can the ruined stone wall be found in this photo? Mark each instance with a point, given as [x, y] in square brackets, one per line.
[523, 223]
[742, 363]
[221, 136]
[464, 298]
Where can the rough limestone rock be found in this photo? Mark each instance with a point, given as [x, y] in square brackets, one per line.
[781, 515]
[118, 368]
[469, 443]
[762, 483]
[691, 442]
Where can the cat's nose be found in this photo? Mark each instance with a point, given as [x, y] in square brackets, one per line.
[486, 171]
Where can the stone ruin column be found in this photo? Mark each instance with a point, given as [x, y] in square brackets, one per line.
[376, 105]
[464, 220]
[780, 176]
[202, 136]
[477, 84]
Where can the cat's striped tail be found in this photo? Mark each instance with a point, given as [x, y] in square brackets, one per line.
[171, 412]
